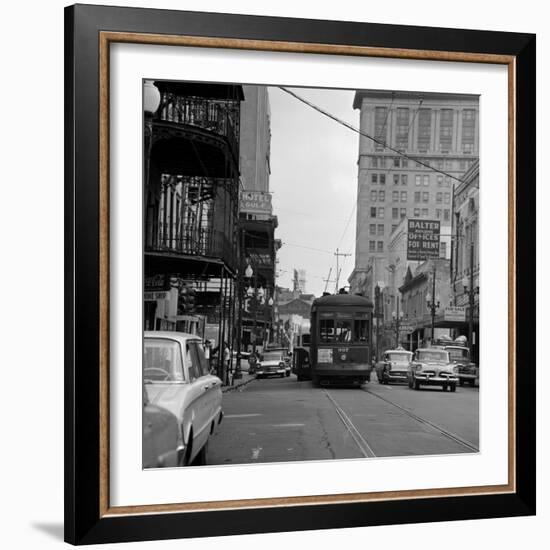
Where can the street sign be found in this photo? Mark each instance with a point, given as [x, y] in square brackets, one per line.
[406, 328]
[423, 239]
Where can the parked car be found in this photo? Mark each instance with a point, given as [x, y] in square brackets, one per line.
[177, 378]
[432, 367]
[273, 362]
[394, 366]
[161, 436]
[466, 370]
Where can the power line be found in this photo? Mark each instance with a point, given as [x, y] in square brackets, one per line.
[368, 136]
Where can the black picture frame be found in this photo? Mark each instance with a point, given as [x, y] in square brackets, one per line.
[87, 521]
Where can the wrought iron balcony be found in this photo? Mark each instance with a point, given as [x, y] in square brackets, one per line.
[200, 242]
[211, 115]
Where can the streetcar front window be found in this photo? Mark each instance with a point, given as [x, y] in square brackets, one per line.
[326, 330]
[361, 330]
[343, 330]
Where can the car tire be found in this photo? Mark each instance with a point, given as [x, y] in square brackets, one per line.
[202, 456]
[453, 387]
[461, 382]
[445, 387]
[288, 374]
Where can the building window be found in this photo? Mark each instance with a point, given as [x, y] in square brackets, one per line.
[402, 129]
[403, 213]
[424, 129]
[395, 196]
[373, 212]
[425, 213]
[439, 198]
[382, 179]
[426, 180]
[468, 130]
[447, 198]
[439, 181]
[442, 249]
[462, 165]
[417, 212]
[374, 162]
[404, 163]
[425, 196]
[417, 195]
[380, 127]
[403, 179]
[372, 229]
[380, 246]
[381, 212]
[396, 162]
[373, 196]
[372, 246]
[439, 165]
[403, 196]
[446, 215]
[382, 162]
[446, 130]
[380, 229]
[396, 179]
[438, 213]
[395, 213]
[418, 180]
[393, 228]
[381, 196]
[448, 165]
[374, 178]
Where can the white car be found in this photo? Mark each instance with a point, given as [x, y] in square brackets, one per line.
[177, 377]
[273, 362]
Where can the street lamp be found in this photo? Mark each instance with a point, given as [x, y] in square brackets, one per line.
[151, 102]
[432, 302]
[397, 319]
[471, 291]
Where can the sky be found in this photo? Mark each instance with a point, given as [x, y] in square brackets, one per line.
[314, 184]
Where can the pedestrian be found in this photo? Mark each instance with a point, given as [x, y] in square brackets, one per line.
[208, 353]
[226, 358]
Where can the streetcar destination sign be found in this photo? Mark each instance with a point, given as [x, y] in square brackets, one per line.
[423, 239]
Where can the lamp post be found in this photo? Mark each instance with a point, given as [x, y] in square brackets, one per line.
[471, 291]
[151, 102]
[432, 303]
[397, 319]
[242, 274]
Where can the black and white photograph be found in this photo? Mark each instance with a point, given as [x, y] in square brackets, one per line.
[311, 274]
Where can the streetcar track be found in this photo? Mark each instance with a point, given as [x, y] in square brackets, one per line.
[421, 420]
[360, 441]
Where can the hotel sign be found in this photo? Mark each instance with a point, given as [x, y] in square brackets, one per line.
[255, 202]
[423, 239]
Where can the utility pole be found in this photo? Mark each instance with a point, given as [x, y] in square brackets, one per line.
[327, 280]
[338, 254]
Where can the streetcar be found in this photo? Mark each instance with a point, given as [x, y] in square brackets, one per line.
[341, 349]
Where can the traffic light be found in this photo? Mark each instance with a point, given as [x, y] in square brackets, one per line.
[186, 301]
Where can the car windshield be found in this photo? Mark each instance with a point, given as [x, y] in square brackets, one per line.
[398, 357]
[432, 356]
[273, 356]
[458, 353]
[162, 360]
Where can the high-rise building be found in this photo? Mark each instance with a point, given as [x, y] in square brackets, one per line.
[440, 131]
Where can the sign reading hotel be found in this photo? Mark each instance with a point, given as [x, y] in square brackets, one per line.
[255, 202]
[423, 239]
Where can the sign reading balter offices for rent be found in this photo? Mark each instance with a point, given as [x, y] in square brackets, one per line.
[423, 239]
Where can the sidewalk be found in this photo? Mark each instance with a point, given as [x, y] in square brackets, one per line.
[239, 383]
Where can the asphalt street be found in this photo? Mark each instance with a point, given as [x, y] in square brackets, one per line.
[282, 420]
